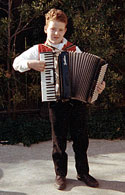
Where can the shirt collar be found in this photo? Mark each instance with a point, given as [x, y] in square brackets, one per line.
[58, 46]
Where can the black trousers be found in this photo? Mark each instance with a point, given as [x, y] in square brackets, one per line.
[69, 117]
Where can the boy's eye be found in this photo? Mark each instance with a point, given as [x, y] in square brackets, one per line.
[52, 29]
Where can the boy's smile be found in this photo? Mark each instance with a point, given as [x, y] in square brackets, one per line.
[55, 31]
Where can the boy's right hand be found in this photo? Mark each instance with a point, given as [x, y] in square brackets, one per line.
[36, 65]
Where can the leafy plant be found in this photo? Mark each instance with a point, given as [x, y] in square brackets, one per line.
[113, 94]
[106, 123]
[24, 130]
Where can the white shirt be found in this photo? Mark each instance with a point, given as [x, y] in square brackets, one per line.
[20, 62]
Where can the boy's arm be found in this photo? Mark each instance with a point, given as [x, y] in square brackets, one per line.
[28, 60]
[36, 65]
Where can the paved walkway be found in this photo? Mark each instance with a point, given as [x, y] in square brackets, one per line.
[29, 170]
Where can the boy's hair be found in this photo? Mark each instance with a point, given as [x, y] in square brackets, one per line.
[56, 14]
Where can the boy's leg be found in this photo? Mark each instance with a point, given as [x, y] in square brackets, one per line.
[80, 143]
[59, 113]
[79, 136]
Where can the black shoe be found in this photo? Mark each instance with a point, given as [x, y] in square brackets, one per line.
[60, 182]
[88, 180]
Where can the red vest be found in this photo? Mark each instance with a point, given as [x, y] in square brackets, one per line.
[68, 47]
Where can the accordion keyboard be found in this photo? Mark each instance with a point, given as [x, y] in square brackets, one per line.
[71, 75]
[47, 77]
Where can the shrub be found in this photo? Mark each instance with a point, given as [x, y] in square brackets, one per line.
[106, 123]
[27, 131]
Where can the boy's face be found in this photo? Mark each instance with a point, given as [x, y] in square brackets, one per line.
[55, 31]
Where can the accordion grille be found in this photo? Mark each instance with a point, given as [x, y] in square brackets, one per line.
[82, 67]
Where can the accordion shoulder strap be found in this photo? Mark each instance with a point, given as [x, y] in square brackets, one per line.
[46, 48]
[43, 48]
[69, 47]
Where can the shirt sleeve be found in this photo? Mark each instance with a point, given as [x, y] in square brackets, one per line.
[20, 62]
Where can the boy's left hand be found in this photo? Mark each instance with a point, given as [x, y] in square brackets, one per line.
[101, 87]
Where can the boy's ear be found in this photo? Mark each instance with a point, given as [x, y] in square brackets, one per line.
[45, 29]
[65, 30]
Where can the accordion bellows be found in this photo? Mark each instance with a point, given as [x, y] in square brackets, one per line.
[71, 75]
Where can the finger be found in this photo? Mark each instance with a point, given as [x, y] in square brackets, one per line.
[42, 68]
[103, 84]
[99, 89]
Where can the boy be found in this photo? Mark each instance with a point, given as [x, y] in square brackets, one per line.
[62, 113]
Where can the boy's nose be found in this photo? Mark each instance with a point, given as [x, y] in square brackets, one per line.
[56, 32]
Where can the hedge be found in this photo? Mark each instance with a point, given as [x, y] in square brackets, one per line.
[107, 123]
[102, 124]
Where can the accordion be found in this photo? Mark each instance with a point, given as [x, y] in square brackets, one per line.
[71, 75]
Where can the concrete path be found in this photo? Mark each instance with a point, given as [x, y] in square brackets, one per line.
[29, 170]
